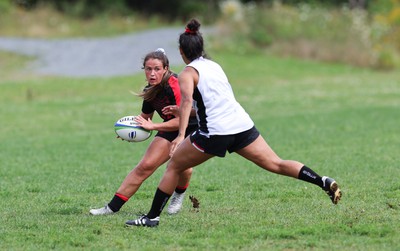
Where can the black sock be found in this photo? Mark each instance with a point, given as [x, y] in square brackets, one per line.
[117, 202]
[309, 175]
[159, 202]
[180, 189]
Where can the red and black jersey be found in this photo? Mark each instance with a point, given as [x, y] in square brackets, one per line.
[169, 95]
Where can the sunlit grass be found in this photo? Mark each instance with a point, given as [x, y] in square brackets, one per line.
[45, 22]
[13, 66]
[60, 157]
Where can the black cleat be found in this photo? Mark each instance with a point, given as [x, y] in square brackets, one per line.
[143, 221]
[332, 189]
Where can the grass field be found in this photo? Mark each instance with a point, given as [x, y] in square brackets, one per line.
[45, 22]
[59, 158]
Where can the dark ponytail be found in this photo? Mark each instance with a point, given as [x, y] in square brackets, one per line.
[191, 41]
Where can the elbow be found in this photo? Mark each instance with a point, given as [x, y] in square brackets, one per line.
[187, 100]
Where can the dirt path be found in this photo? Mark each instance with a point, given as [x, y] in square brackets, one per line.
[89, 57]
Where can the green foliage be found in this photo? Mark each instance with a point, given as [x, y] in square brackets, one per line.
[387, 21]
[60, 157]
[172, 11]
[307, 31]
[91, 8]
[181, 10]
[45, 22]
[5, 6]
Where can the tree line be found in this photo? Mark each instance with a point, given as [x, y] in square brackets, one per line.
[171, 9]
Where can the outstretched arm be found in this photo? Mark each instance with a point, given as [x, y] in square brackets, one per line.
[187, 82]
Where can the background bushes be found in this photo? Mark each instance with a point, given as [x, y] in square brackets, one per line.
[336, 34]
[171, 10]
[359, 32]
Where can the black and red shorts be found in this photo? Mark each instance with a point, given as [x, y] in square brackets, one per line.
[218, 144]
[170, 136]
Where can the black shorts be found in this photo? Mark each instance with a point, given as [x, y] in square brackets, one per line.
[170, 136]
[218, 144]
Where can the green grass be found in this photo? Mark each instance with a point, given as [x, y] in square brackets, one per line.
[59, 157]
[12, 66]
[45, 22]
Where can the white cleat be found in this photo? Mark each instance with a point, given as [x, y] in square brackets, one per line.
[176, 203]
[101, 211]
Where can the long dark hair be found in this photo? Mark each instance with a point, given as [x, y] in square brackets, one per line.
[151, 91]
[191, 41]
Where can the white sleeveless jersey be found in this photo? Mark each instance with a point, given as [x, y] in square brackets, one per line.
[217, 110]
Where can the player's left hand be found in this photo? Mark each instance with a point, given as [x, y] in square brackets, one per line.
[171, 110]
[175, 144]
[146, 124]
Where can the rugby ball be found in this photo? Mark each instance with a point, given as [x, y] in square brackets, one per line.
[127, 129]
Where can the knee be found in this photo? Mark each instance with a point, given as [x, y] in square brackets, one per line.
[144, 169]
[188, 172]
[178, 167]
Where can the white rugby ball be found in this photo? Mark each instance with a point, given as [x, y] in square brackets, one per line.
[127, 129]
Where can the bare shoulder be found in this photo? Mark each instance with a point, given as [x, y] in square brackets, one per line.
[188, 70]
[188, 74]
